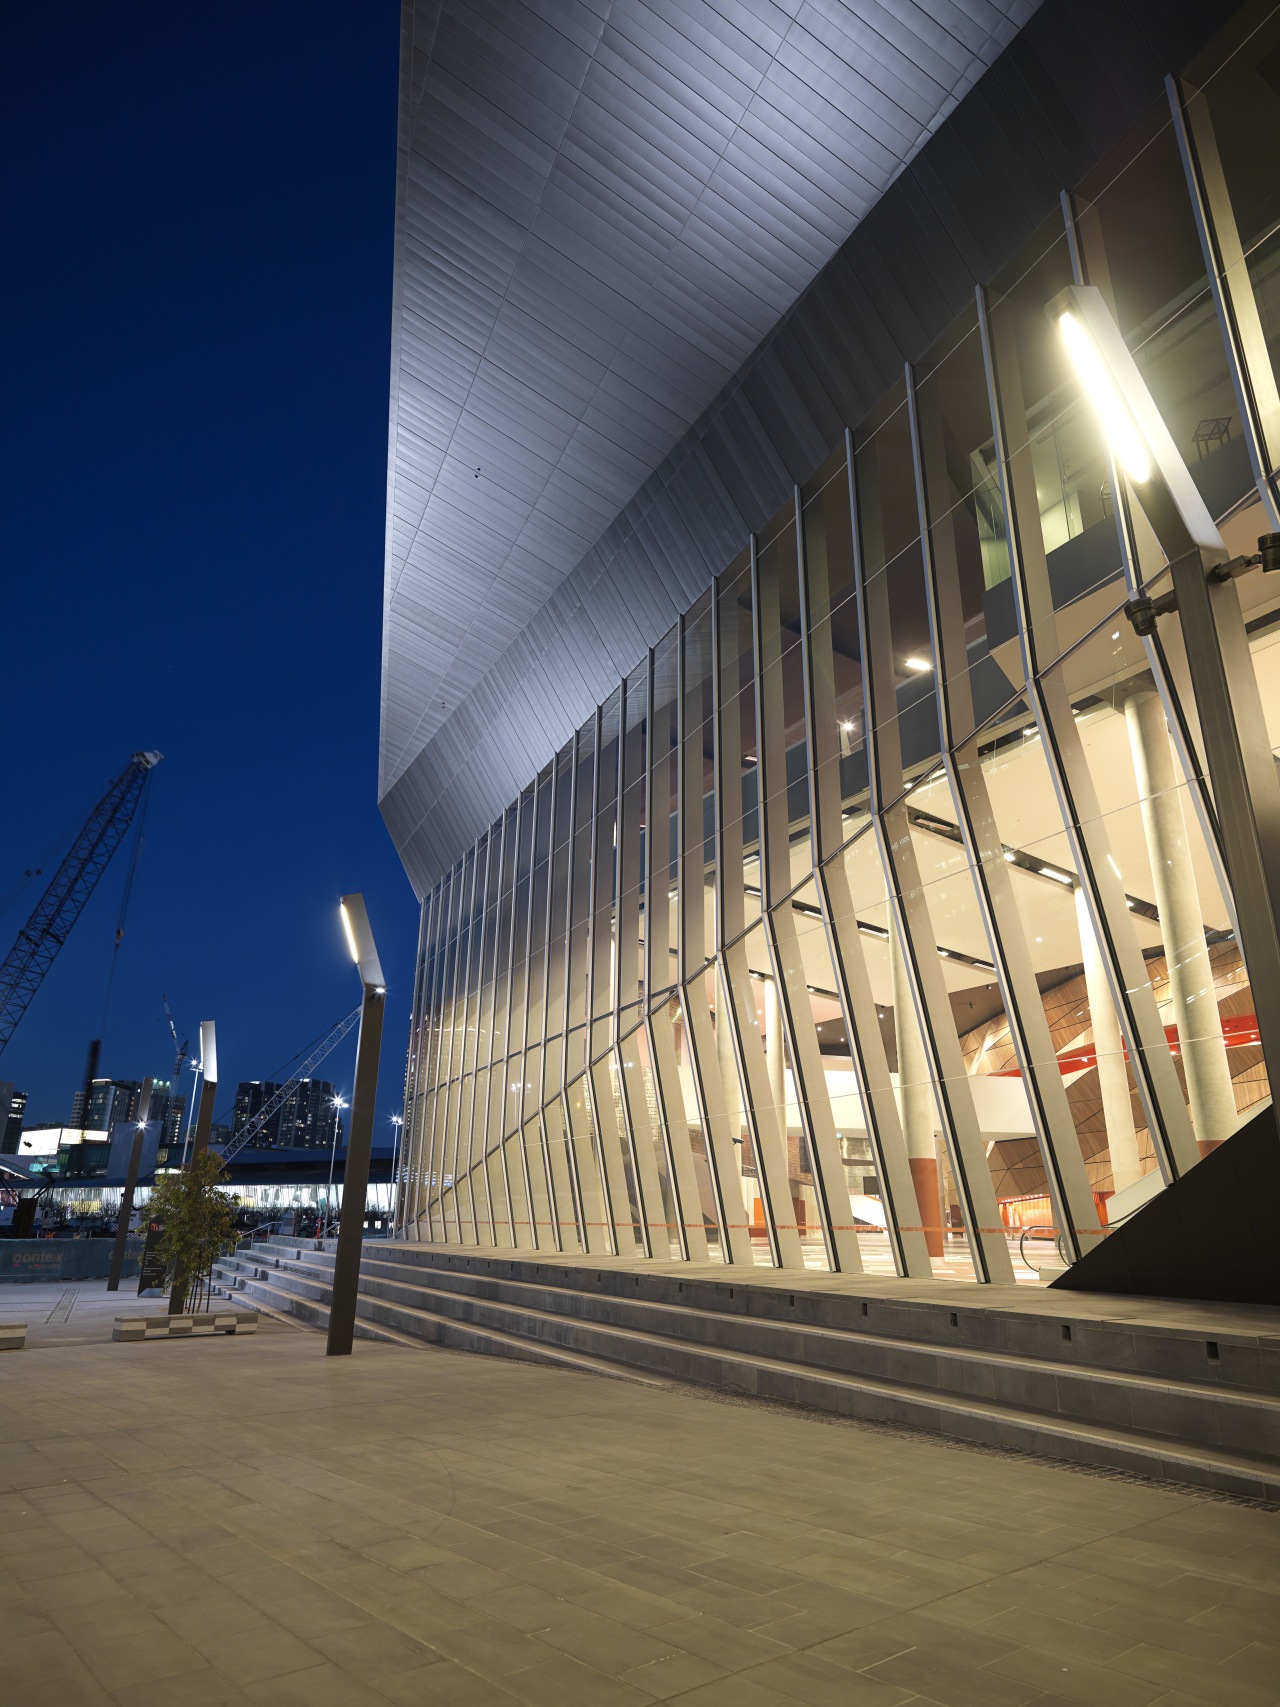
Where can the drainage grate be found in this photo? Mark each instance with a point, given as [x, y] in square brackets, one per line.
[61, 1311]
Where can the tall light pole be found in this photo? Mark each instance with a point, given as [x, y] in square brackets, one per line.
[355, 1178]
[197, 1067]
[337, 1104]
[204, 1124]
[130, 1182]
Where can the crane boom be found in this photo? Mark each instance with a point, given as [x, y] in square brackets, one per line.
[181, 1050]
[73, 883]
[326, 1045]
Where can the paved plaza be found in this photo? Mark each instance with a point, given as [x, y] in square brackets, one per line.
[202, 1523]
[73, 1312]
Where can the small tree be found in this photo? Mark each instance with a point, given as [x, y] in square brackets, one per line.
[198, 1220]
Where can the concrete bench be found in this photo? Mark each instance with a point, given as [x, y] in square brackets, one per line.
[13, 1336]
[183, 1327]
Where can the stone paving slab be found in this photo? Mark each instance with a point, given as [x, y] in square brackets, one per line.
[434, 1528]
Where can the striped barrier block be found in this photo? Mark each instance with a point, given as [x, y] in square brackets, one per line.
[13, 1336]
[184, 1327]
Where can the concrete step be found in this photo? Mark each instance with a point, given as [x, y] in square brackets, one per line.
[968, 1392]
[284, 1305]
[304, 1290]
[1189, 1413]
[1063, 1330]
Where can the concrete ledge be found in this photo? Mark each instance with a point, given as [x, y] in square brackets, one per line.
[13, 1336]
[183, 1327]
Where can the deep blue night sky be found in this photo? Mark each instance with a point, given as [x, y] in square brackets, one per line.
[197, 293]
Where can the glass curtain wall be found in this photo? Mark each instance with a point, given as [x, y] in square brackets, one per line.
[878, 920]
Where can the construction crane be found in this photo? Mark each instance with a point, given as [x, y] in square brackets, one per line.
[73, 883]
[327, 1044]
[181, 1050]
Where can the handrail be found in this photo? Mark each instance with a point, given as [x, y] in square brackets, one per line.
[1057, 1245]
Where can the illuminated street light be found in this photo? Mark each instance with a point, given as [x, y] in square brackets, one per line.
[337, 1104]
[130, 1182]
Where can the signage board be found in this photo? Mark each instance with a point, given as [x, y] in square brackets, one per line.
[152, 1274]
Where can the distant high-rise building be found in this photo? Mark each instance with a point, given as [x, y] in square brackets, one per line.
[108, 1101]
[304, 1120]
[169, 1107]
[13, 1105]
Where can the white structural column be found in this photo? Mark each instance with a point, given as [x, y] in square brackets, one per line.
[734, 1108]
[915, 1102]
[1195, 1005]
[774, 1053]
[1108, 1045]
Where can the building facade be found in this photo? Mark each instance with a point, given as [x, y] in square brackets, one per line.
[307, 1119]
[106, 1102]
[13, 1108]
[877, 915]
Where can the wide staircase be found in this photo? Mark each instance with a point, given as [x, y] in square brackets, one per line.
[1150, 1398]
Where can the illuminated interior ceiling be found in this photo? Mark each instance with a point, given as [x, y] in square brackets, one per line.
[602, 212]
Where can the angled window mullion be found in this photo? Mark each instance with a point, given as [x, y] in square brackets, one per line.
[590, 1153]
[735, 1234]
[470, 1158]
[761, 1118]
[611, 920]
[416, 1120]
[786, 961]
[497, 1183]
[532, 1138]
[1070, 1194]
[1252, 378]
[835, 897]
[440, 1077]
[909, 916]
[413, 1065]
[633, 838]
[661, 986]
[447, 1198]
[476, 1169]
[1081, 813]
[569, 1209]
[1175, 692]
[418, 1077]
[462, 951]
[462, 1182]
[513, 1146]
[608, 1138]
[500, 1037]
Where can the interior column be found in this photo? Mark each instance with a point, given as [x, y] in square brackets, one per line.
[1195, 1007]
[1108, 1045]
[915, 1102]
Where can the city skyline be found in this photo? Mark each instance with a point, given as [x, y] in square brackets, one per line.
[202, 384]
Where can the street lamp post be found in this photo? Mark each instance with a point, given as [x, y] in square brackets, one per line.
[337, 1104]
[204, 1125]
[130, 1182]
[196, 1067]
[355, 1179]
